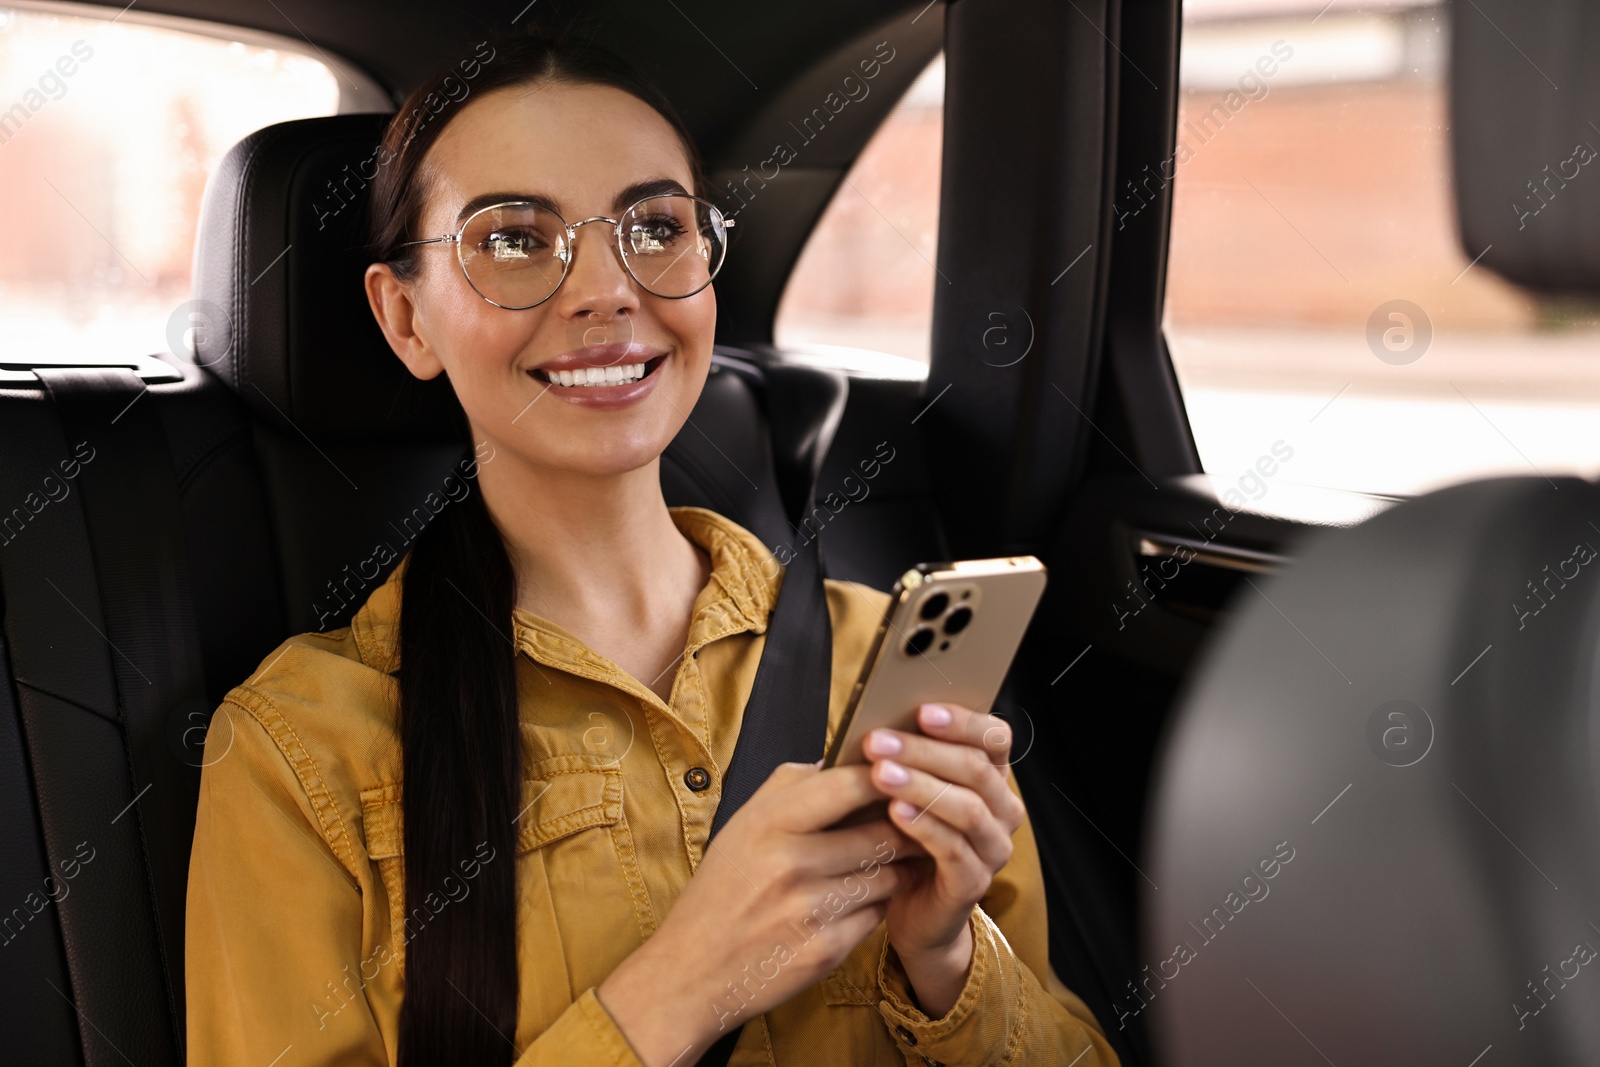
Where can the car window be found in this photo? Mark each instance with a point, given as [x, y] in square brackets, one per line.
[108, 131]
[865, 279]
[1317, 295]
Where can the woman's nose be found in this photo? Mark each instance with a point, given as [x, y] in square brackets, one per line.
[596, 282]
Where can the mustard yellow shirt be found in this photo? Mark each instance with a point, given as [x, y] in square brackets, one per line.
[296, 924]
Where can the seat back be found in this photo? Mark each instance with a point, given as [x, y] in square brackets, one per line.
[167, 524]
[1377, 838]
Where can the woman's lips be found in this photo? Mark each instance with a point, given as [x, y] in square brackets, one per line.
[608, 395]
[615, 354]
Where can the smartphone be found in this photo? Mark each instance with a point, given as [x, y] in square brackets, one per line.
[949, 636]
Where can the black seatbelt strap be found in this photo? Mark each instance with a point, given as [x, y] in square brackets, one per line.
[132, 514]
[786, 717]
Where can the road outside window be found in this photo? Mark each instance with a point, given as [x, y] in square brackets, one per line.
[1317, 293]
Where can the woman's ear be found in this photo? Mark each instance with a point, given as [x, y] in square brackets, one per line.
[397, 316]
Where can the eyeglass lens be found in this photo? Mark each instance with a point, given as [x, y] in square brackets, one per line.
[516, 254]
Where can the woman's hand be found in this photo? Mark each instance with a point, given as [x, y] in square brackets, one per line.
[777, 902]
[949, 792]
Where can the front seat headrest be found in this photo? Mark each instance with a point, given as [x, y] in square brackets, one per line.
[279, 298]
[1377, 838]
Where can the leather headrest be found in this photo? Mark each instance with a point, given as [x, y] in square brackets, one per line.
[1525, 139]
[1399, 784]
[279, 260]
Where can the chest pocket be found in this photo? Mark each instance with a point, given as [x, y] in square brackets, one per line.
[564, 795]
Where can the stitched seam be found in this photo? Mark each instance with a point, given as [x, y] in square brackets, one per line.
[206, 455]
[766, 1040]
[656, 739]
[241, 297]
[322, 801]
[559, 826]
[375, 652]
[867, 996]
[1023, 998]
[391, 794]
[753, 597]
[42, 691]
[392, 872]
[606, 1037]
[174, 1009]
[578, 666]
[622, 841]
[978, 980]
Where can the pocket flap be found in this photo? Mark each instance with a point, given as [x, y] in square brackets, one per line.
[560, 799]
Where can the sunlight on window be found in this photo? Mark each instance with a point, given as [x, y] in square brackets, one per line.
[107, 135]
[865, 279]
[1317, 292]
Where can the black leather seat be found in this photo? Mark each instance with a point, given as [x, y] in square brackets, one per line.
[1377, 838]
[160, 535]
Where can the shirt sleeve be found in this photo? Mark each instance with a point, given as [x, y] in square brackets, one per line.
[275, 928]
[1012, 1009]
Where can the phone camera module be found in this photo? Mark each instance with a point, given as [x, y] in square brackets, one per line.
[934, 606]
[919, 641]
[957, 620]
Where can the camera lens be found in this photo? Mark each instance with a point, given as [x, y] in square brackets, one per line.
[958, 620]
[934, 606]
[919, 641]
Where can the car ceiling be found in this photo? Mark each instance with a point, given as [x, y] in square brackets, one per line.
[739, 76]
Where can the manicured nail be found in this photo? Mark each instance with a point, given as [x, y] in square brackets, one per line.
[819, 762]
[904, 809]
[936, 715]
[893, 773]
[884, 743]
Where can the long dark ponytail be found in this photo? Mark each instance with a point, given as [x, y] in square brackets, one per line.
[458, 719]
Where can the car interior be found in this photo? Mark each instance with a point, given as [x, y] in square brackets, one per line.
[1213, 662]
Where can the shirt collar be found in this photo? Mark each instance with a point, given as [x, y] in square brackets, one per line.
[743, 587]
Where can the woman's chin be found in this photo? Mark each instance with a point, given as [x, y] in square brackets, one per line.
[613, 457]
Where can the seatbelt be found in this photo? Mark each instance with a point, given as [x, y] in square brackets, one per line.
[786, 717]
[132, 518]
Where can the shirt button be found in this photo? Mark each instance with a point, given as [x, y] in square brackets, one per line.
[906, 1035]
[697, 779]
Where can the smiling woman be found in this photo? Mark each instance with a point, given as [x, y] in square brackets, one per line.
[454, 722]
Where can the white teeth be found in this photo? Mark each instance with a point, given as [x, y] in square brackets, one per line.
[585, 376]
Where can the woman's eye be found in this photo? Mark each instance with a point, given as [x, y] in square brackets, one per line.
[510, 245]
[655, 234]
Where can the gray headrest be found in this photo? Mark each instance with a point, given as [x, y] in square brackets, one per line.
[1379, 821]
[1525, 128]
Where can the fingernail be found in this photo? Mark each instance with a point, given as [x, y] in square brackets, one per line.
[819, 762]
[885, 743]
[893, 773]
[904, 809]
[936, 715]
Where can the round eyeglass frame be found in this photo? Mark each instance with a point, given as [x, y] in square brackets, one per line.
[571, 229]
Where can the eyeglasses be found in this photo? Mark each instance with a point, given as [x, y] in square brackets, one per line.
[516, 254]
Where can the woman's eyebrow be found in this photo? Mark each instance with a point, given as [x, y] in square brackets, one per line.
[477, 203]
[639, 190]
[624, 200]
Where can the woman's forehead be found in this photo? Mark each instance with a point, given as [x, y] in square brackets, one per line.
[578, 145]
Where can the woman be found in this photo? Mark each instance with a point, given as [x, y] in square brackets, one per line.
[557, 672]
